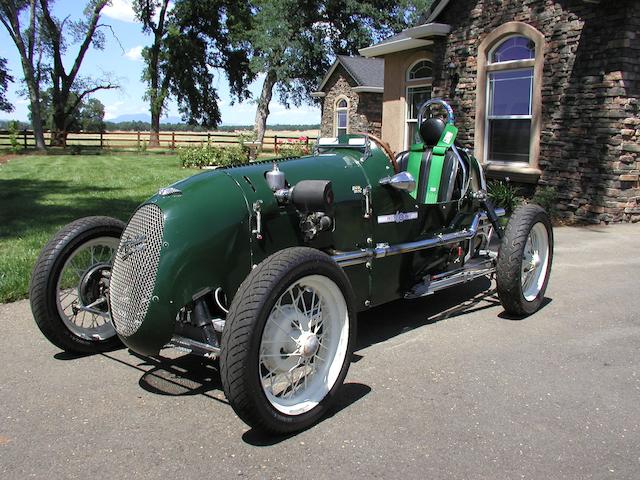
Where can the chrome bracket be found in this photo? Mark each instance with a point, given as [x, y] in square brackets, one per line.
[366, 193]
[257, 209]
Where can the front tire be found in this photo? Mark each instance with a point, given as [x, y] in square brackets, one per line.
[288, 339]
[68, 286]
[524, 260]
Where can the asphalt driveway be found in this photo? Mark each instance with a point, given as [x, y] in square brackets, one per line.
[442, 387]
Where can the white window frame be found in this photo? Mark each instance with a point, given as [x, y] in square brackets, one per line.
[337, 110]
[426, 82]
[420, 60]
[409, 141]
[509, 66]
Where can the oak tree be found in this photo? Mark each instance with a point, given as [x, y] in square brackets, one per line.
[190, 44]
[43, 44]
[293, 42]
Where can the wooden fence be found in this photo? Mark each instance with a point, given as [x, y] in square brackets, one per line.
[140, 140]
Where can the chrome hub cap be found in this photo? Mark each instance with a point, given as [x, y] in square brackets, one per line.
[308, 344]
[535, 260]
[304, 345]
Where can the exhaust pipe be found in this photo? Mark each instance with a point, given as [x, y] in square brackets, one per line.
[346, 259]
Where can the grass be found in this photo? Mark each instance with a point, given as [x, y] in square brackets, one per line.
[40, 194]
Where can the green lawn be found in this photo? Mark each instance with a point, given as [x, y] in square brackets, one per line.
[40, 194]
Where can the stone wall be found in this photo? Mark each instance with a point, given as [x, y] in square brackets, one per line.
[590, 141]
[365, 109]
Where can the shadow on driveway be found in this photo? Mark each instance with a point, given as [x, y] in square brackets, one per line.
[194, 375]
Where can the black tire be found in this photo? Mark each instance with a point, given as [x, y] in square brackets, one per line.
[245, 324]
[43, 292]
[509, 275]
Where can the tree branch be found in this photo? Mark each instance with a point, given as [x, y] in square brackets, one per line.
[100, 25]
[95, 16]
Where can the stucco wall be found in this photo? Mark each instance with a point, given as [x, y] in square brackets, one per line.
[394, 98]
[365, 109]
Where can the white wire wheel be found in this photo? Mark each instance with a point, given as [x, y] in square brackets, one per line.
[287, 341]
[304, 344]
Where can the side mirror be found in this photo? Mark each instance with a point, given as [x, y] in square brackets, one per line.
[400, 181]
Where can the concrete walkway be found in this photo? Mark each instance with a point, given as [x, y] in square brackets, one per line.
[444, 387]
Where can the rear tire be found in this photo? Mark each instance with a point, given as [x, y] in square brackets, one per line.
[524, 260]
[69, 273]
[288, 340]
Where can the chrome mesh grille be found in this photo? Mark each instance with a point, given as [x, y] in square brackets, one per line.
[134, 271]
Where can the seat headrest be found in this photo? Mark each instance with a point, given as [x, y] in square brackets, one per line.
[431, 131]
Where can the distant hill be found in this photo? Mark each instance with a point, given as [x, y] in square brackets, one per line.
[143, 117]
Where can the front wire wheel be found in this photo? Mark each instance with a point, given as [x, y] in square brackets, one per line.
[304, 344]
[69, 284]
[287, 342]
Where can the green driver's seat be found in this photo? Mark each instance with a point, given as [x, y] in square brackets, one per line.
[437, 178]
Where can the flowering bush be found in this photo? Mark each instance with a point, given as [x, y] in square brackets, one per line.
[293, 148]
[212, 155]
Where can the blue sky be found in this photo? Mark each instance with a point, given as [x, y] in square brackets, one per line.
[125, 64]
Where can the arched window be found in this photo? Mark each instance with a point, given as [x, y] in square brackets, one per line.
[341, 123]
[419, 78]
[420, 70]
[509, 97]
[513, 48]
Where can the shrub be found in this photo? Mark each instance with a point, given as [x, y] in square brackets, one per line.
[14, 131]
[505, 195]
[212, 155]
[547, 198]
[293, 148]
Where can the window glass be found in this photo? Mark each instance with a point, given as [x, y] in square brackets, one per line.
[416, 96]
[510, 92]
[509, 140]
[341, 121]
[422, 69]
[514, 48]
[342, 103]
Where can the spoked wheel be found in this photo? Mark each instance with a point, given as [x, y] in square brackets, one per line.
[70, 282]
[288, 339]
[524, 260]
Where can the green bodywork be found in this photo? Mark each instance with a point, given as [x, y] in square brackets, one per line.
[208, 240]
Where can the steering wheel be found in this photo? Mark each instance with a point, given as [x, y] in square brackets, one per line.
[385, 147]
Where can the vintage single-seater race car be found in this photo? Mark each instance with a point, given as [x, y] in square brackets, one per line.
[265, 266]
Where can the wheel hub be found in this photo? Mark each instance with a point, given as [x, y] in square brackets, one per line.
[308, 344]
[91, 286]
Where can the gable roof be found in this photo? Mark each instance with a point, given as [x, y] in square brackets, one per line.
[368, 73]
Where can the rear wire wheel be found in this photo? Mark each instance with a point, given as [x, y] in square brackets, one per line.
[69, 284]
[524, 260]
[287, 341]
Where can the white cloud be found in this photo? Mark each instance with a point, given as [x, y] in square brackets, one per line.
[135, 53]
[123, 10]
[120, 10]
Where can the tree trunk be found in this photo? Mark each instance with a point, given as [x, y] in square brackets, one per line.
[154, 135]
[262, 112]
[59, 127]
[36, 115]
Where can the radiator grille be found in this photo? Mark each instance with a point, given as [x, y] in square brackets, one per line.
[134, 271]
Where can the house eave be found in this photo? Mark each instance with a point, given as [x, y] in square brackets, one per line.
[393, 47]
[417, 38]
[365, 89]
[318, 94]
